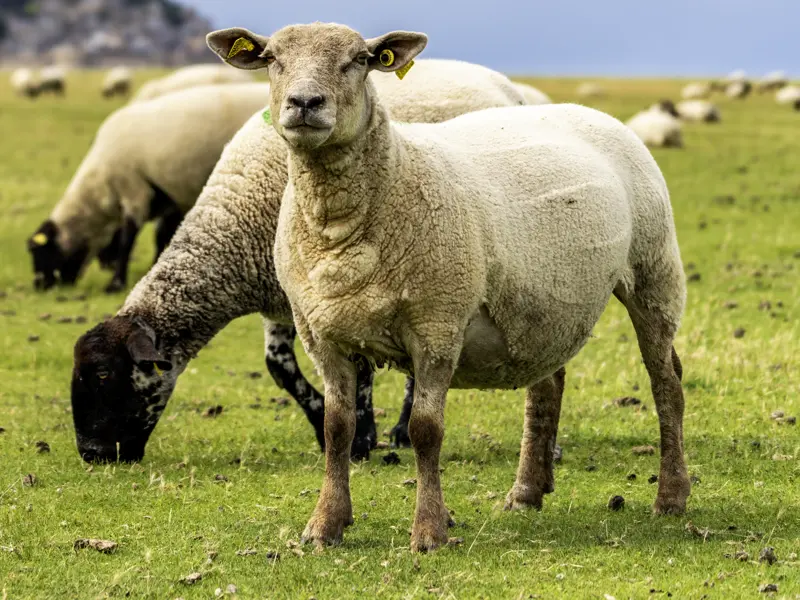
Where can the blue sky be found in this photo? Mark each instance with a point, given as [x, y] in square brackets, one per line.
[562, 37]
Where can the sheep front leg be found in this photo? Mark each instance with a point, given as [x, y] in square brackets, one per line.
[426, 430]
[130, 229]
[535, 472]
[334, 510]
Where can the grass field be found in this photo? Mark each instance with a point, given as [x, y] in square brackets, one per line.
[736, 194]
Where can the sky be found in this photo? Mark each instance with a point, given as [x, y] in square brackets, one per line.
[561, 37]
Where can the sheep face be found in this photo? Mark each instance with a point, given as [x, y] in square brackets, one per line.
[51, 263]
[319, 95]
[120, 386]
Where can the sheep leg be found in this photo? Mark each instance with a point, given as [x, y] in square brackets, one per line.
[535, 471]
[167, 226]
[399, 433]
[126, 240]
[334, 509]
[426, 429]
[655, 333]
[282, 365]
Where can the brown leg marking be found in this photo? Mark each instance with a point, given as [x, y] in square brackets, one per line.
[334, 510]
[656, 334]
[426, 430]
[535, 472]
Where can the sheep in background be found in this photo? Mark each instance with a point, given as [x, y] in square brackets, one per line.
[773, 81]
[189, 77]
[698, 111]
[25, 83]
[53, 80]
[788, 95]
[658, 126]
[696, 91]
[590, 90]
[533, 96]
[738, 89]
[117, 82]
[736, 76]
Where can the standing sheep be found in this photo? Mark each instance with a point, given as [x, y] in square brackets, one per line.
[53, 80]
[476, 253]
[25, 83]
[117, 82]
[788, 95]
[219, 266]
[189, 77]
[148, 161]
[773, 81]
[658, 126]
[696, 91]
[738, 89]
[698, 111]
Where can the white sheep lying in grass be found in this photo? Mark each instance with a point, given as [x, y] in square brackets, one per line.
[189, 77]
[219, 266]
[788, 95]
[117, 82]
[696, 91]
[25, 82]
[658, 126]
[149, 160]
[533, 96]
[698, 111]
[477, 253]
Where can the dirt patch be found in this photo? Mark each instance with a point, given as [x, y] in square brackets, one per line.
[102, 546]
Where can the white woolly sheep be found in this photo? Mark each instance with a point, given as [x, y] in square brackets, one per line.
[476, 253]
[219, 266]
[149, 160]
[698, 111]
[788, 95]
[590, 90]
[658, 126]
[53, 80]
[772, 81]
[117, 82]
[696, 91]
[189, 77]
[25, 82]
[533, 96]
[737, 75]
[738, 89]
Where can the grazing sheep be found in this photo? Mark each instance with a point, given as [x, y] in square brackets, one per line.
[149, 160]
[117, 82]
[25, 83]
[189, 77]
[219, 266]
[788, 95]
[738, 89]
[476, 253]
[696, 91]
[533, 96]
[53, 80]
[590, 90]
[658, 126]
[698, 111]
[773, 81]
[737, 75]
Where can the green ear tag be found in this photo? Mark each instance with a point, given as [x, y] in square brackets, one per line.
[267, 115]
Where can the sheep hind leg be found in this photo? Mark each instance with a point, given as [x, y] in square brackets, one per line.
[656, 333]
[399, 433]
[535, 471]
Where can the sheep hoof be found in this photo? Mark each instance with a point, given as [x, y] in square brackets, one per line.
[360, 448]
[426, 538]
[672, 495]
[322, 531]
[520, 498]
[669, 506]
[399, 436]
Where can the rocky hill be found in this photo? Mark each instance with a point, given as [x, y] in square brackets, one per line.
[101, 32]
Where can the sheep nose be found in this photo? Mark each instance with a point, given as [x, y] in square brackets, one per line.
[307, 101]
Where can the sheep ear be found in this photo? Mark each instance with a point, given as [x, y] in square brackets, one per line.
[239, 47]
[395, 51]
[144, 354]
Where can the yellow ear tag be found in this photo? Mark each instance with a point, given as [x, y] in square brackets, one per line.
[387, 57]
[267, 116]
[40, 239]
[158, 371]
[239, 45]
[402, 71]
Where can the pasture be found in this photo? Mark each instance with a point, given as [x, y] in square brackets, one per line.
[227, 496]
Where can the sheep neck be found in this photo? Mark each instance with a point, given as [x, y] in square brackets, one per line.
[336, 187]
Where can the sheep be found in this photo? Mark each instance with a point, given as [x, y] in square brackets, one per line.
[590, 90]
[738, 89]
[696, 91]
[25, 82]
[117, 82]
[773, 81]
[476, 253]
[698, 110]
[149, 160]
[189, 77]
[658, 126]
[533, 96]
[53, 80]
[219, 266]
[788, 95]
[736, 76]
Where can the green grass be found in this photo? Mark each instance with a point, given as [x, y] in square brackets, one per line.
[169, 513]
